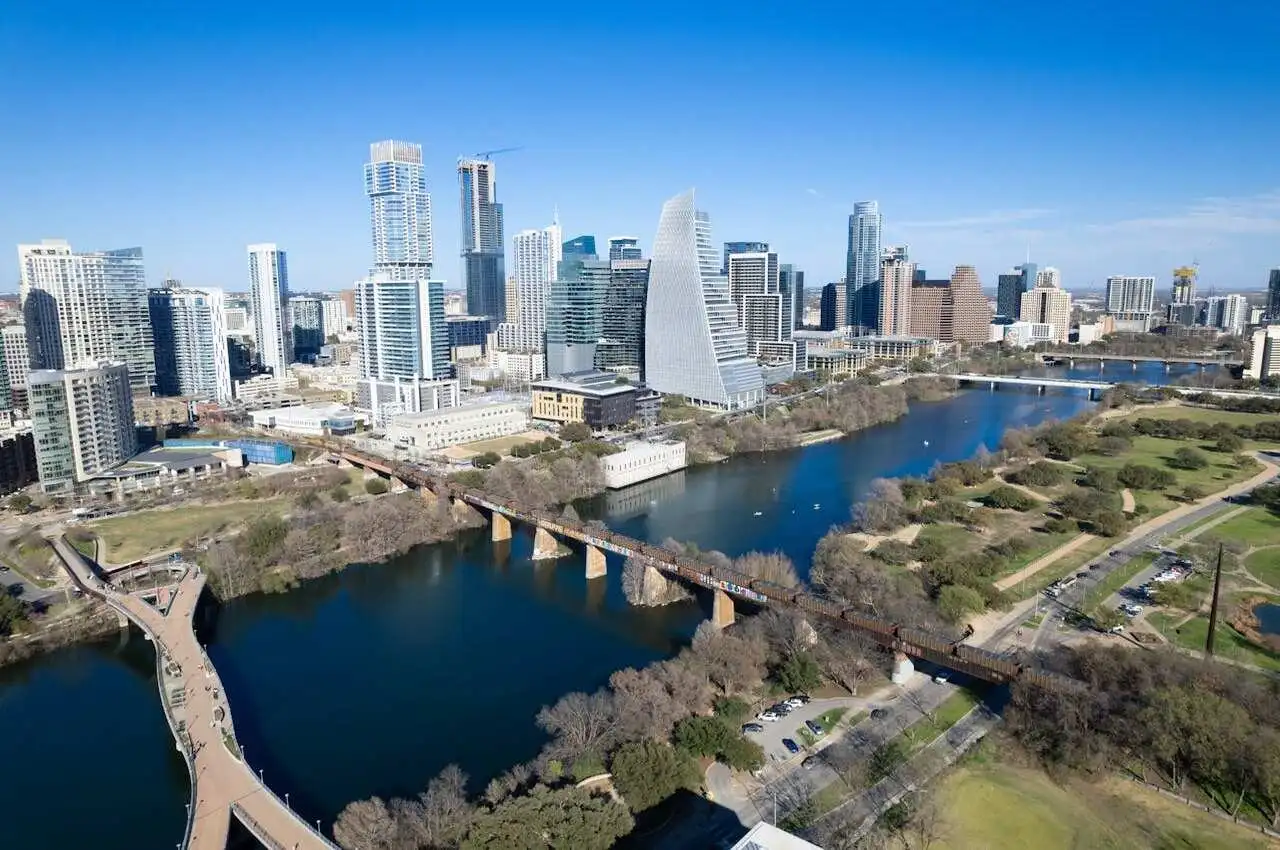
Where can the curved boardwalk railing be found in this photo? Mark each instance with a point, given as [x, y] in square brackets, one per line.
[184, 746]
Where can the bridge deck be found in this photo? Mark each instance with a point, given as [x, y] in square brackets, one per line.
[223, 782]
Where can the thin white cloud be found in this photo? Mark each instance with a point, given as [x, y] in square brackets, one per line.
[1250, 215]
[991, 219]
[814, 192]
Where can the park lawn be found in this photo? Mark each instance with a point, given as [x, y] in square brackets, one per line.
[831, 795]
[1264, 565]
[1220, 473]
[944, 717]
[956, 538]
[998, 806]
[1197, 414]
[504, 445]
[1115, 580]
[1229, 644]
[1256, 526]
[829, 718]
[133, 536]
[1188, 529]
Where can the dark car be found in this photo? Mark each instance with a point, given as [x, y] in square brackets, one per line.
[792, 746]
[752, 727]
[815, 727]
[879, 713]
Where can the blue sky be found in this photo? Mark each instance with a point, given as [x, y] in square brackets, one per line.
[1113, 138]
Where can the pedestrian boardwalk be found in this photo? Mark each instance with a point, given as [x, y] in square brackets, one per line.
[200, 719]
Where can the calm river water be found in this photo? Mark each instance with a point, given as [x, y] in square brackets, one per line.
[372, 680]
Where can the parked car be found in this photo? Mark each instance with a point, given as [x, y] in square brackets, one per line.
[752, 727]
[1115, 553]
[767, 715]
[792, 746]
[810, 763]
[3, 568]
[941, 676]
[800, 699]
[815, 727]
[782, 708]
[879, 713]
[1116, 630]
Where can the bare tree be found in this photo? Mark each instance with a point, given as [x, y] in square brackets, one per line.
[581, 723]
[643, 705]
[365, 825]
[446, 812]
[686, 681]
[510, 783]
[884, 508]
[731, 662]
[772, 566]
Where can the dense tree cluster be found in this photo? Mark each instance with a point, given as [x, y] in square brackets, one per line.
[1040, 474]
[1163, 715]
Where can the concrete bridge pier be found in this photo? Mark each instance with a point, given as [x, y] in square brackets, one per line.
[722, 613]
[1041, 389]
[499, 527]
[1102, 365]
[991, 385]
[398, 486]
[596, 566]
[1134, 364]
[1071, 363]
[1166, 367]
[545, 545]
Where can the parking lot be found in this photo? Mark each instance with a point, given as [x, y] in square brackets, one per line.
[775, 752]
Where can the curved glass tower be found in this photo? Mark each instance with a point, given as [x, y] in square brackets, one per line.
[693, 344]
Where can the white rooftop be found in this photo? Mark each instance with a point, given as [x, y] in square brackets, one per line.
[763, 836]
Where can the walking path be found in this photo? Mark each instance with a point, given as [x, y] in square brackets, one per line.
[1043, 561]
[1127, 502]
[200, 718]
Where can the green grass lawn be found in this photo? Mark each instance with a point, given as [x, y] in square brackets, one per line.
[1155, 451]
[1185, 530]
[1255, 526]
[1197, 414]
[1264, 565]
[831, 796]
[955, 537]
[829, 718]
[1229, 643]
[133, 536]
[997, 806]
[1115, 580]
[944, 717]
[1068, 564]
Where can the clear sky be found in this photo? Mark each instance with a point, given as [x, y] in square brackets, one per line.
[1120, 137]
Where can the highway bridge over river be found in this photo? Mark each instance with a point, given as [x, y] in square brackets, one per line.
[725, 585]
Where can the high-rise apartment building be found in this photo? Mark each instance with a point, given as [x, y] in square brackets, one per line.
[831, 307]
[269, 299]
[191, 343]
[402, 329]
[694, 346]
[1227, 313]
[1131, 302]
[862, 273]
[83, 423]
[731, 248]
[1048, 303]
[335, 318]
[764, 308]
[536, 257]
[1010, 287]
[17, 362]
[580, 246]
[791, 280]
[897, 277]
[6, 392]
[1273, 296]
[1262, 359]
[85, 307]
[1183, 290]
[575, 314]
[621, 345]
[482, 240]
[624, 248]
[399, 210]
[305, 317]
[952, 310]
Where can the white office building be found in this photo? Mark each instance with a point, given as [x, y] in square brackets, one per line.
[334, 318]
[536, 256]
[269, 292]
[426, 432]
[1048, 303]
[309, 420]
[83, 423]
[82, 307]
[694, 346]
[1263, 357]
[1227, 313]
[17, 358]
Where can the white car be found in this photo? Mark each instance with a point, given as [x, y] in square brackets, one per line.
[941, 677]
[793, 702]
[767, 715]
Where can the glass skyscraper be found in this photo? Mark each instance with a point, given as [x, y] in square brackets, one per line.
[623, 327]
[693, 345]
[399, 209]
[191, 343]
[575, 313]
[582, 246]
[862, 273]
[1010, 288]
[482, 240]
[624, 248]
[741, 248]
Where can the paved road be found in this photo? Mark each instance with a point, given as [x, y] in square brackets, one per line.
[31, 592]
[225, 785]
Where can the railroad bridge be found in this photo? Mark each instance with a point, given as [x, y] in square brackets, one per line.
[726, 585]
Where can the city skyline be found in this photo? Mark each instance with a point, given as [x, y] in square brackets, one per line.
[1091, 203]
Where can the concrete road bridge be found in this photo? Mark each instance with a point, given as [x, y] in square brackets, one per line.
[725, 585]
[199, 716]
[1094, 388]
[1070, 357]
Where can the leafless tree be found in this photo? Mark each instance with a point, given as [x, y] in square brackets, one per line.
[731, 662]
[686, 681]
[884, 508]
[771, 566]
[580, 723]
[446, 812]
[510, 783]
[847, 658]
[365, 825]
[643, 705]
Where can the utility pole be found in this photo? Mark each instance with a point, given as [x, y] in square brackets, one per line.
[1213, 610]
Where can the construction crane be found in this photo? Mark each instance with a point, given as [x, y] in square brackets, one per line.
[487, 154]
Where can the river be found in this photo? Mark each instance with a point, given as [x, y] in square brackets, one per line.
[371, 680]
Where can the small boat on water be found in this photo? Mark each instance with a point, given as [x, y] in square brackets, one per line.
[758, 513]
[816, 506]
[926, 442]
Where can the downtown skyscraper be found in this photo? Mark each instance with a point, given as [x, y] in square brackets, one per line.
[85, 307]
[269, 293]
[399, 210]
[1011, 286]
[694, 346]
[862, 271]
[482, 240]
[190, 332]
[535, 259]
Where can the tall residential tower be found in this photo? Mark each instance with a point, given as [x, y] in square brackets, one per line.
[269, 292]
[862, 273]
[482, 240]
[399, 210]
